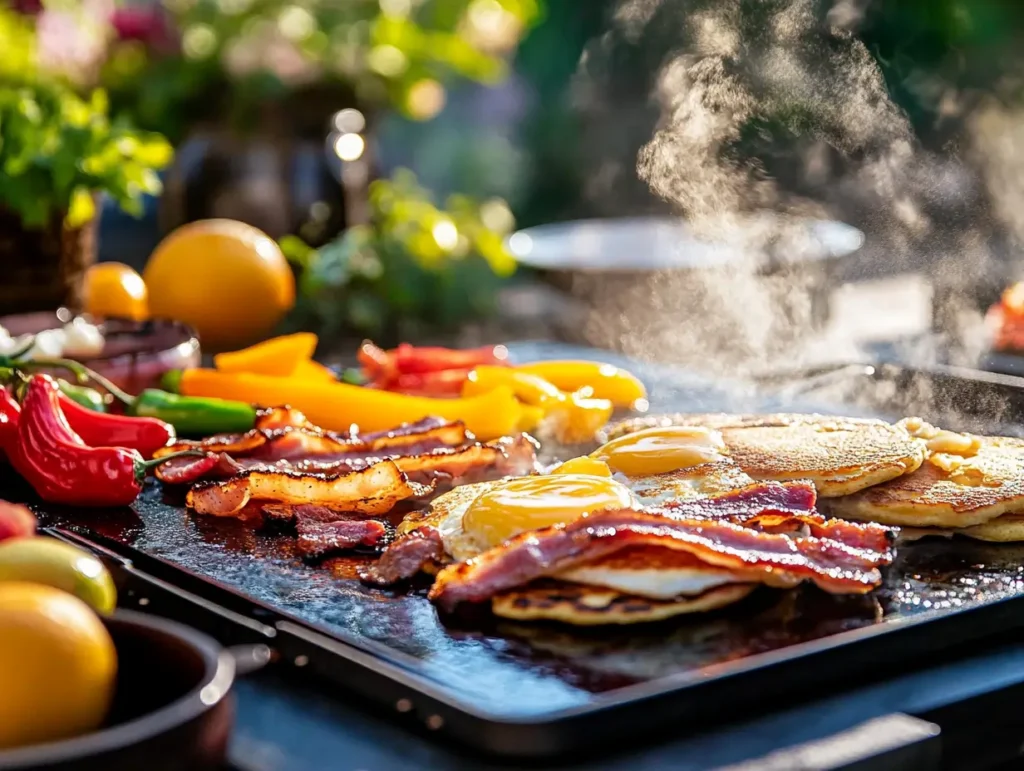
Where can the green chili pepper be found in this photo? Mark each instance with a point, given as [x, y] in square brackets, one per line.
[87, 397]
[171, 381]
[194, 415]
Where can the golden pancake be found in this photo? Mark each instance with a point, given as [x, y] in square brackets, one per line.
[952, 492]
[839, 455]
[1005, 529]
[589, 606]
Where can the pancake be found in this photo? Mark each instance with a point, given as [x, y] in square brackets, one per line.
[1008, 528]
[590, 606]
[839, 455]
[970, 494]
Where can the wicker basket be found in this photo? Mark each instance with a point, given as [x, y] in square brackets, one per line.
[42, 269]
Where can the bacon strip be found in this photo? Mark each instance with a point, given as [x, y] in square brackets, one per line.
[832, 565]
[318, 538]
[405, 557]
[781, 507]
[313, 453]
[269, 418]
[374, 490]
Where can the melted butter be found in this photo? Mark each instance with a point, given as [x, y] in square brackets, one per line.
[660, 450]
[941, 441]
[531, 503]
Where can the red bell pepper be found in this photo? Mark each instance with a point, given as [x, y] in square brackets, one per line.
[426, 370]
[446, 383]
[413, 360]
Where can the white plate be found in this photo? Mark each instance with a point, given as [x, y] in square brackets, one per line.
[659, 243]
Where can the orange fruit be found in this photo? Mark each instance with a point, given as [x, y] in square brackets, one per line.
[227, 279]
[58, 665]
[114, 289]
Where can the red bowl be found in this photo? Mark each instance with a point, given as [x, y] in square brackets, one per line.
[136, 354]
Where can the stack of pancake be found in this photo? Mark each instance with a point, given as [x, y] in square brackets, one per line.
[909, 474]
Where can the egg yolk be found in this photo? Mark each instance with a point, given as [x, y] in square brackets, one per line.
[531, 503]
[662, 449]
[584, 465]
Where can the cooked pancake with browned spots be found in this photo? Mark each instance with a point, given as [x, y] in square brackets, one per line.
[1008, 528]
[951, 491]
[590, 606]
[839, 455]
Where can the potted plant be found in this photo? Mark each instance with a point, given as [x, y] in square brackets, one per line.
[59, 152]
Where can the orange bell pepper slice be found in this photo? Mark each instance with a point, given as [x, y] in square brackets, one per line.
[279, 356]
[605, 381]
[338, 406]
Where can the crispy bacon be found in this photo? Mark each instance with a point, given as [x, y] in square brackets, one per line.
[374, 490]
[423, 461]
[317, 538]
[405, 557]
[780, 559]
[269, 418]
[781, 507]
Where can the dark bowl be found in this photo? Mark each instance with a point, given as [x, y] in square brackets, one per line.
[172, 708]
[136, 354]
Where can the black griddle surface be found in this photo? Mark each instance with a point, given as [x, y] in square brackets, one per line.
[518, 671]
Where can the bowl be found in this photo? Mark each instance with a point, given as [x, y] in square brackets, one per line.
[136, 353]
[172, 708]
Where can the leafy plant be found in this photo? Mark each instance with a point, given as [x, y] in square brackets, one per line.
[413, 264]
[59, 150]
[167, 59]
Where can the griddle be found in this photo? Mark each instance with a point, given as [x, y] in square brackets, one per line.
[529, 690]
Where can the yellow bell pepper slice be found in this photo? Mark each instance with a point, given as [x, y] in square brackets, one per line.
[584, 465]
[279, 356]
[530, 418]
[606, 381]
[338, 406]
[528, 388]
[572, 417]
[315, 371]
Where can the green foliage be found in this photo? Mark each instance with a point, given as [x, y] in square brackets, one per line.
[413, 264]
[59, 150]
[394, 53]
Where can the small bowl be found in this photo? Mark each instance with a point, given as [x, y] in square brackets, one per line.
[136, 354]
[172, 708]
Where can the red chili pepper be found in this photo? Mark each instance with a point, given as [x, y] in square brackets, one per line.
[378, 365]
[60, 467]
[99, 429]
[10, 411]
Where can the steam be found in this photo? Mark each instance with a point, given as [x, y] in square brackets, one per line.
[778, 106]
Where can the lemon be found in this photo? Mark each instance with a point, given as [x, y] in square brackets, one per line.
[60, 565]
[227, 279]
[114, 289]
[58, 665]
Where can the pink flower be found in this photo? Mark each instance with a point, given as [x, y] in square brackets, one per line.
[147, 24]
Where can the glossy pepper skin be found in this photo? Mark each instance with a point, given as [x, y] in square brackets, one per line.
[147, 435]
[425, 369]
[10, 411]
[59, 466]
[194, 416]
